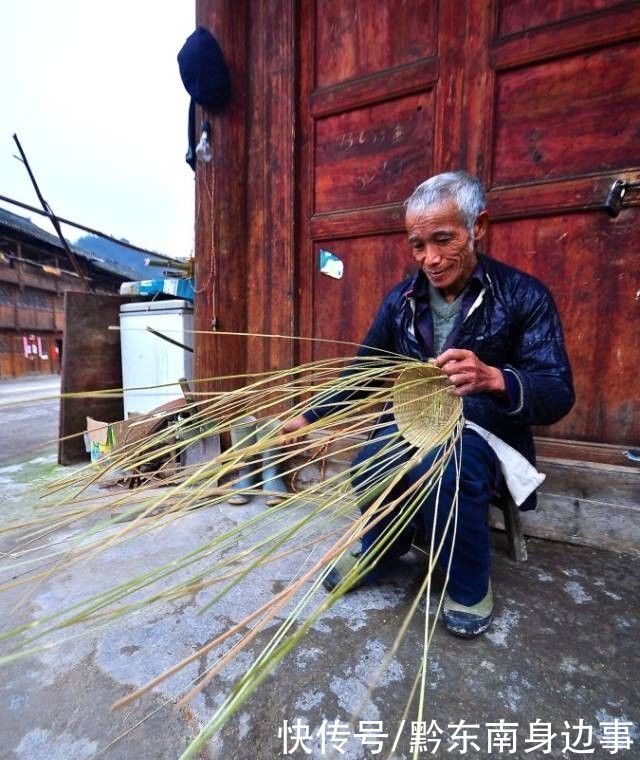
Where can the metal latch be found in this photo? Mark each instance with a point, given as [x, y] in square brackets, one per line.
[615, 196]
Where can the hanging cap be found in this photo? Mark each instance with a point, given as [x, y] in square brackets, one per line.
[204, 71]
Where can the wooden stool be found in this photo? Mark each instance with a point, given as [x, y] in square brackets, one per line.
[512, 525]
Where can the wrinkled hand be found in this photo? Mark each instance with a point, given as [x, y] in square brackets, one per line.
[468, 374]
[291, 429]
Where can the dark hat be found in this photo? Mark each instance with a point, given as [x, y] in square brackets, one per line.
[204, 71]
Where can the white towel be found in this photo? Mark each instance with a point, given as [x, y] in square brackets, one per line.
[520, 475]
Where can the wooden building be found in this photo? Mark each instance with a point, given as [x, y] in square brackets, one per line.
[35, 273]
[341, 107]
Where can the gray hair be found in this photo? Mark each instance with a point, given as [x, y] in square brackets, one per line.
[463, 189]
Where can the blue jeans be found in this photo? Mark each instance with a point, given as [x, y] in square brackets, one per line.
[471, 559]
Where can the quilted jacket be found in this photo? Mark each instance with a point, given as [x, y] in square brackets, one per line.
[512, 323]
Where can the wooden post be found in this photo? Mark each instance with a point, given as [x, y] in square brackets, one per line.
[245, 207]
[221, 188]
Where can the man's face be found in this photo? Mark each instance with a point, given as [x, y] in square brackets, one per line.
[443, 246]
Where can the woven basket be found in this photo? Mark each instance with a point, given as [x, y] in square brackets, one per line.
[424, 410]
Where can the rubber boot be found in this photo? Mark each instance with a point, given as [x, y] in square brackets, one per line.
[243, 435]
[272, 483]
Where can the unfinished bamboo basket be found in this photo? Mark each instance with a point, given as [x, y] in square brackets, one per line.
[424, 409]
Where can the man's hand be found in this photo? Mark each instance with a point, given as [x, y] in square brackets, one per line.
[294, 426]
[468, 374]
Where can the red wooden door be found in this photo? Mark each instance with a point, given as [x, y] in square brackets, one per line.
[368, 116]
[542, 101]
[557, 111]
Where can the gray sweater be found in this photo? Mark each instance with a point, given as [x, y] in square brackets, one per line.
[444, 316]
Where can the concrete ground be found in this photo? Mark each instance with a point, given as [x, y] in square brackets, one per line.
[28, 415]
[563, 646]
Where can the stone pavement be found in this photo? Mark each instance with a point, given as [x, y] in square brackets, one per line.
[563, 647]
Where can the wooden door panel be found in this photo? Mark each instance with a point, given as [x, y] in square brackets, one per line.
[343, 309]
[520, 15]
[355, 38]
[561, 122]
[573, 116]
[373, 155]
[550, 41]
[368, 81]
[590, 265]
[402, 80]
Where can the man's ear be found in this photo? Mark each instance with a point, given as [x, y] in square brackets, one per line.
[481, 225]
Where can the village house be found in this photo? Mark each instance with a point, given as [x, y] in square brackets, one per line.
[35, 273]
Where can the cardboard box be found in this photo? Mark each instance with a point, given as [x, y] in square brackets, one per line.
[105, 438]
[102, 438]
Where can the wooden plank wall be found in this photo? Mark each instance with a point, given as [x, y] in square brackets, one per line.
[91, 361]
[31, 304]
[14, 362]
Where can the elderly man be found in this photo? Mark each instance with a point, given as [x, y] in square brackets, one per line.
[496, 333]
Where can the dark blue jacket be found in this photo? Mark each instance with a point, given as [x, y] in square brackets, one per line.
[510, 321]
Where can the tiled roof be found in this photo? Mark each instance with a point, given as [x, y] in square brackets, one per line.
[28, 228]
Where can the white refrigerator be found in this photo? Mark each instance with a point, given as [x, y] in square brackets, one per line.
[152, 366]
